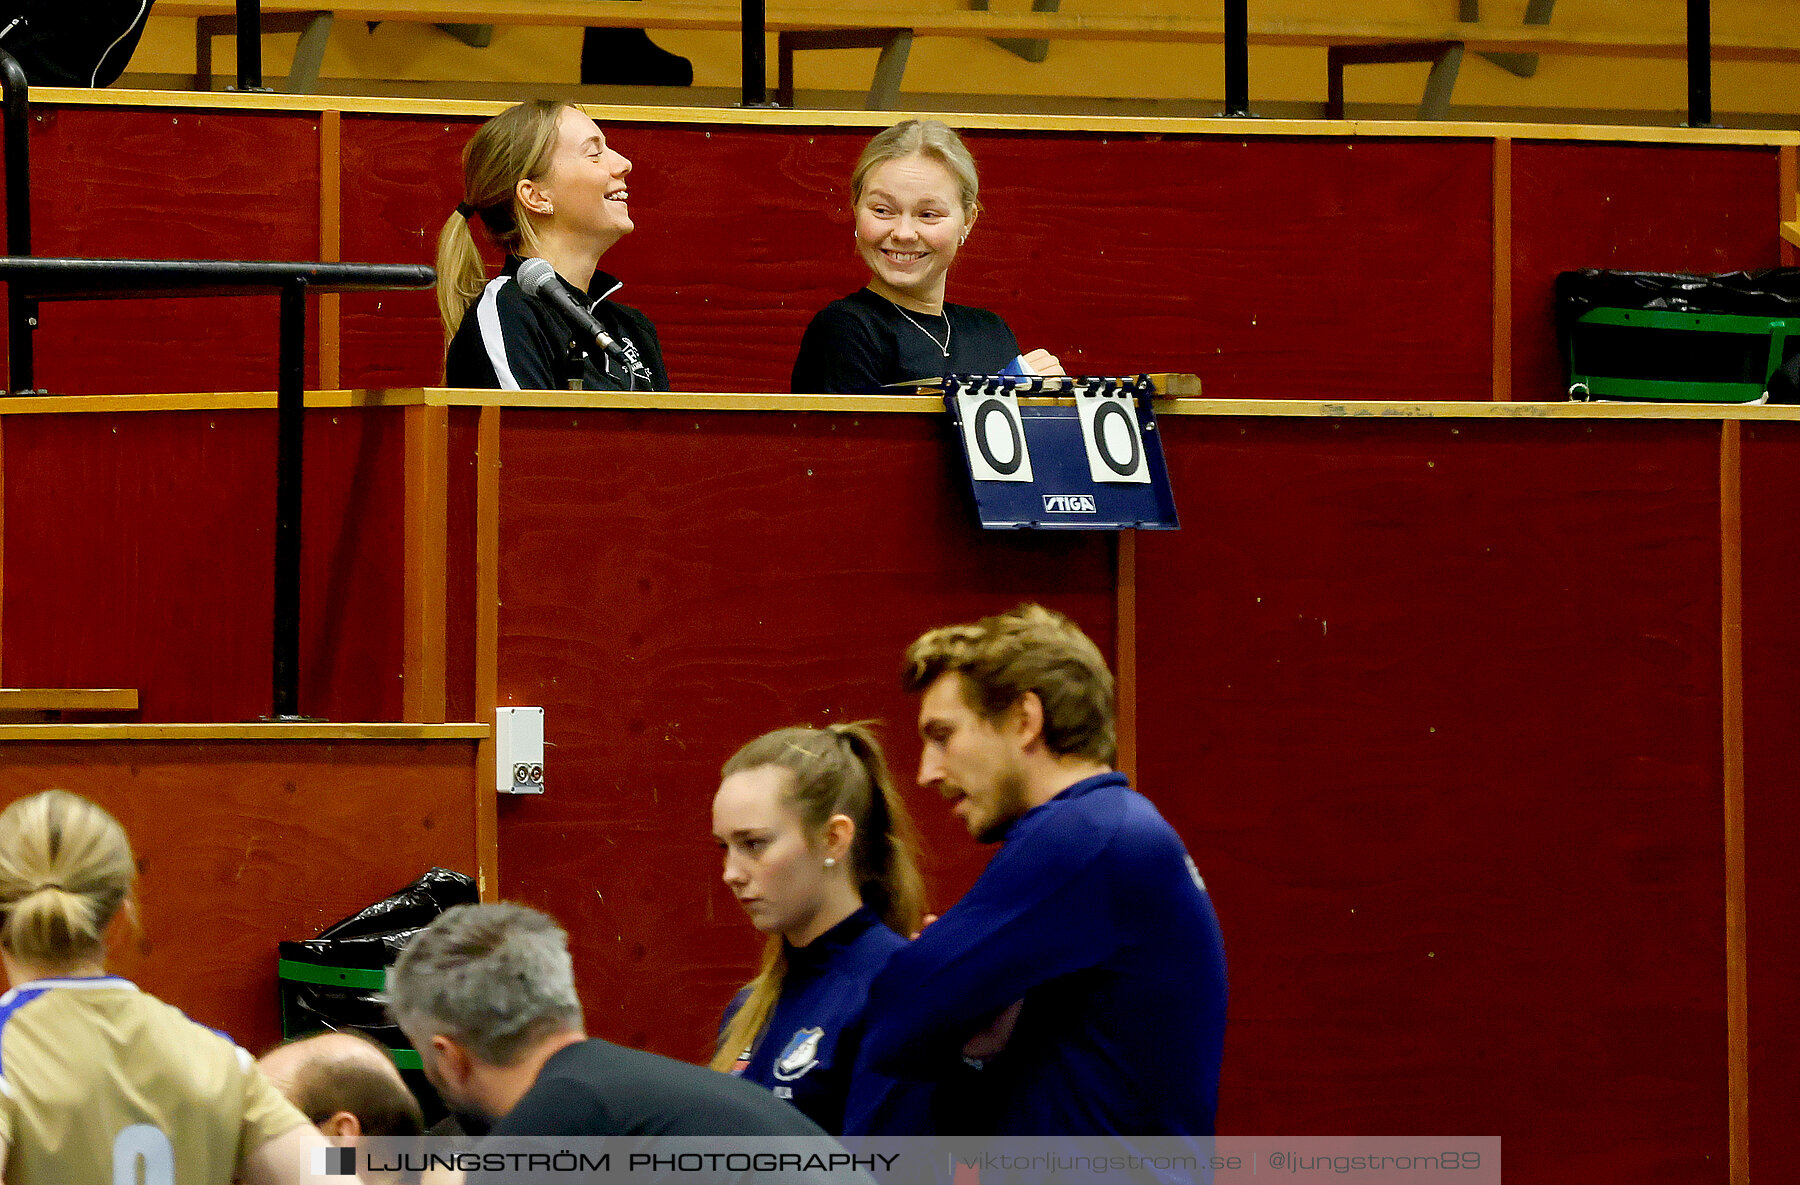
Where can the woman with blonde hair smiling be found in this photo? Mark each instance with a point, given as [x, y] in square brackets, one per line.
[98, 1080]
[545, 184]
[916, 195]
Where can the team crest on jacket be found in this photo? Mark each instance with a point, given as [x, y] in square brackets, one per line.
[801, 1054]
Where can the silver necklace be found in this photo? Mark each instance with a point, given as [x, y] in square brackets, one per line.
[944, 345]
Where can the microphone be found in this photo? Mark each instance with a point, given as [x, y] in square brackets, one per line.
[539, 280]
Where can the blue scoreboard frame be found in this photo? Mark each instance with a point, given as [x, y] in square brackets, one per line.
[1041, 426]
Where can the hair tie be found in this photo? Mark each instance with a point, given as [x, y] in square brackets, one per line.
[466, 210]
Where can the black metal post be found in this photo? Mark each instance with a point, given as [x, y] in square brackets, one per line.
[755, 53]
[21, 316]
[290, 452]
[1699, 30]
[249, 45]
[1237, 57]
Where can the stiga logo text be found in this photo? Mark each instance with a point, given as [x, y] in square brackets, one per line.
[1069, 504]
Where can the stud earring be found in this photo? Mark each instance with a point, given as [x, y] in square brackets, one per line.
[831, 861]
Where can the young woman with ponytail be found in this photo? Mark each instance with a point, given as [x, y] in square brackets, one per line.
[98, 1080]
[542, 180]
[820, 852]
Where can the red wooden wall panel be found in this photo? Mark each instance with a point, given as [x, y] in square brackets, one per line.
[351, 594]
[1369, 279]
[121, 527]
[126, 182]
[1632, 207]
[1771, 485]
[1337, 268]
[241, 846]
[402, 176]
[459, 582]
[1299, 268]
[139, 554]
[1437, 705]
[1288, 268]
[1147, 254]
[674, 585]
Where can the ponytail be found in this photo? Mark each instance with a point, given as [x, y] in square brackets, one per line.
[887, 844]
[461, 274]
[65, 870]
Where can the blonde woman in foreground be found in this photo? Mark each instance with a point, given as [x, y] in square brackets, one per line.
[99, 1081]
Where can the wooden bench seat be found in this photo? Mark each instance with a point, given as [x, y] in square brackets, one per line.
[19, 704]
[894, 24]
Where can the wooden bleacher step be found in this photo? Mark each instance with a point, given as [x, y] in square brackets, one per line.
[27, 704]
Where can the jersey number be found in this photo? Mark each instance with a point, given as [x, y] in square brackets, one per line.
[141, 1144]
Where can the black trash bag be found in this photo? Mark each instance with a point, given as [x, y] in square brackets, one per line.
[1771, 292]
[86, 43]
[370, 939]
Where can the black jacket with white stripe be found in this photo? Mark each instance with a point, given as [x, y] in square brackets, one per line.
[511, 342]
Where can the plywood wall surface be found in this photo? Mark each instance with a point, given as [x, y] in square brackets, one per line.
[140, 554]
[1315, 267]
[671, 588]
[1438, 705]
[1633, 208]
[1771, 817]
[242, 846]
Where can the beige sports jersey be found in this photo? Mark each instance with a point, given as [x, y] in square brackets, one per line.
[101, 1084]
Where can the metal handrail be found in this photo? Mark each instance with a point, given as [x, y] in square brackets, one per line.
[36, 278]
[21, 312]
[18, 154]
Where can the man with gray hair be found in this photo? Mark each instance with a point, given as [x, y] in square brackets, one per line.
[486, 994]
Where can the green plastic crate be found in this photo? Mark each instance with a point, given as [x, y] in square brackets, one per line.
[1650, 354]
[292, 971]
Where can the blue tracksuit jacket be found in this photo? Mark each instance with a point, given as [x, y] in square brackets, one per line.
[1093, 914]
